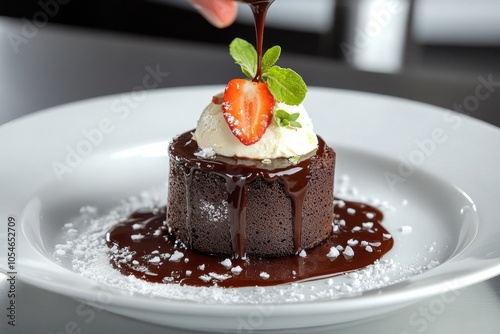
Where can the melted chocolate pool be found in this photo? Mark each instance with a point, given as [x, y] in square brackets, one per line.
[141, 246]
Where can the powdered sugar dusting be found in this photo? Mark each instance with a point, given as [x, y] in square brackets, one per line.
[86, 253]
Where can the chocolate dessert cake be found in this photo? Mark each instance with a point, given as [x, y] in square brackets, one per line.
[230, 206]
[250, 194]
[266, 190]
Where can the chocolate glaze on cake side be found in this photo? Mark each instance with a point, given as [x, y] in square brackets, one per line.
[236, 207]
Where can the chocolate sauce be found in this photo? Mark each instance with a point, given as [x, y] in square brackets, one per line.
[156, 257]
[238, 174]
[259, 10]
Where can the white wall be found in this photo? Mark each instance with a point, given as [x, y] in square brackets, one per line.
[462, 22]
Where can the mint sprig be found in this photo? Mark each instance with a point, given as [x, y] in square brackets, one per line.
[284, 119]
[285, 84]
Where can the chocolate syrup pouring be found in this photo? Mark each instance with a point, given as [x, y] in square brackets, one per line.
[150, 258]
[259, 10]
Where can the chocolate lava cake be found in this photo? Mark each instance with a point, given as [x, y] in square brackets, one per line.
[249, 208]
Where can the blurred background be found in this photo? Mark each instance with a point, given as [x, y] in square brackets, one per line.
[453, 41]
[455, 35]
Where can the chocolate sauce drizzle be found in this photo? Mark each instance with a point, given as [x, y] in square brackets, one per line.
[238, 174]
[155, 257]
[259, 10]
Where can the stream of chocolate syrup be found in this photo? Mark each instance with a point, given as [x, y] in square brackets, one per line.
[259, 10]
[141, 246]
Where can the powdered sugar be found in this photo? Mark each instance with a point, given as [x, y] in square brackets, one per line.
[227, 263]
[206, 153]
[334, 253]
[86, 253]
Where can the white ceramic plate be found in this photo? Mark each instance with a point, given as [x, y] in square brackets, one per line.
[435, 171]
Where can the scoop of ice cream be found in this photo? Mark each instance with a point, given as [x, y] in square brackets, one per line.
[212, 132]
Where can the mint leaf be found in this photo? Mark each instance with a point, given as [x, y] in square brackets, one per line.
[245, 55]
[294, 116]
[270, 58]
[281, 117]
[284, 119]
[286, 85]
[294, 160]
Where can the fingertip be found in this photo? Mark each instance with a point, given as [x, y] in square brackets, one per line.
[220, 13]
[228, 13]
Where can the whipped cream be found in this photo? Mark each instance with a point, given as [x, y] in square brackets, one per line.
[212, 132]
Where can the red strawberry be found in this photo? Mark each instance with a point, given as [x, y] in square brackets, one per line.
[248, 109]
[216, 99]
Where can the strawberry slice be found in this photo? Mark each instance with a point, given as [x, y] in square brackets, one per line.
[216, 99]
[248, 109]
